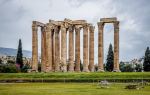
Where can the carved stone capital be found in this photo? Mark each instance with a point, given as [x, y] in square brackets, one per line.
[91, 28]
[71, 28]
[101, 25]
[34, 27]
[116, 24]
[78, 26]
[38, 23]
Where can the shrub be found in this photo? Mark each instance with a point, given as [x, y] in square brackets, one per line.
[8, 68]
[131, 86]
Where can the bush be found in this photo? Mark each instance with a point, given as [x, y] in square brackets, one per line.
[128, 67]
[25, 68]
[0, 61]
[8, 68]
[131, 86]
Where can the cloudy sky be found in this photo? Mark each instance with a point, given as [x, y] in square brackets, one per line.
[16, 17]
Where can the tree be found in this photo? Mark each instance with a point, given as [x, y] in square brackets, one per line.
[128, 68]
[19, 59]
[110, 59]
[146, 63]
[0, 61]
[138, 67]
[122, 66]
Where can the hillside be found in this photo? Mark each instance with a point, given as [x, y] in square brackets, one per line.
[13, 52]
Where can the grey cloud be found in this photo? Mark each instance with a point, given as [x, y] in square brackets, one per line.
[16, 17]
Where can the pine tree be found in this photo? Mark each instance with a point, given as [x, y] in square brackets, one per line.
[19, 59]
[110, 59]
[146, 63]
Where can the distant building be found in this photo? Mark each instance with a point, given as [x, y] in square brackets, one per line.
[12, 59]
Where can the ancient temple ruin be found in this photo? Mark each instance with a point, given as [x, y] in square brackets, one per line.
[54, 45]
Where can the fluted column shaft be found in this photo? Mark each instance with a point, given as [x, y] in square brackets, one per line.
[48, 48]
[100, 46]
[85, 49]
[77, 48]
[63, 49]
[71, 48]
[116, 46]
[57, 49]
[43, 45]
[53, 50]
[91, 49]
[34, 48]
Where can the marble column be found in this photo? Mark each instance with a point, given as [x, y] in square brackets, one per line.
[71, 48]
[48, 48]
[85, 49]
[43, 45]
[77, 48]
[91, 48]
[63, 48]
[100, 46]
[57, 49]
[116, 47]
[34, 48]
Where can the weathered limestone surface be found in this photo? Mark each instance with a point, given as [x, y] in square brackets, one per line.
[63, 49]
[116, 47]
[53, 50]
[71, 48]
[57, 49]
[100, 46]
[43, 52]
[38, 24]
[108, 20]
[34, 48]
[77, 48]
[116, 43]
[48, 49]
[85, 49]
[91, 48]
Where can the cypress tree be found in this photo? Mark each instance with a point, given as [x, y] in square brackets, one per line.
[146, 63]
[19, 59]
[110, 59]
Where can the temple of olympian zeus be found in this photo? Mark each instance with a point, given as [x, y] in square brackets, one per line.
[54, 45]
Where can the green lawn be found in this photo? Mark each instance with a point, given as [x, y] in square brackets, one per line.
[100, 75]
[68, 89]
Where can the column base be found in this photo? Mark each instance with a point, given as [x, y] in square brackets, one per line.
[86, 70]
[63, 69]
[101, 70]
[34, 71]
[116, 70]
[71, 71]
[92, 70]
[78, 71]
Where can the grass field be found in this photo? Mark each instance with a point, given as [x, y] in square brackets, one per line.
[75, 77]
[68, 89]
